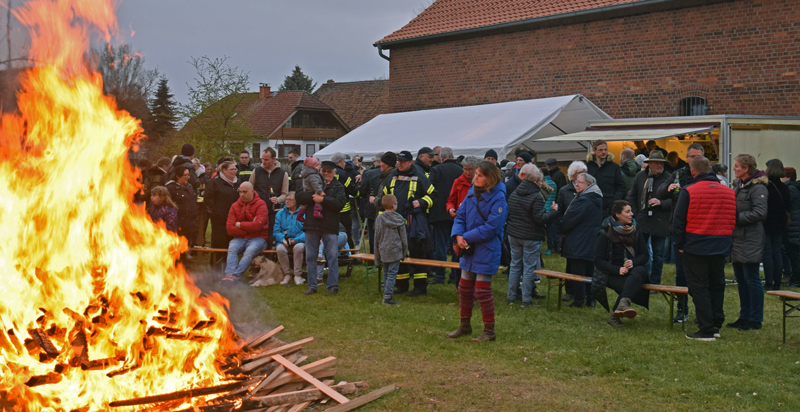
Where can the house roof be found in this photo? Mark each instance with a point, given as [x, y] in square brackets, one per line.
[356, 102]
[264, 116]
[447, 16]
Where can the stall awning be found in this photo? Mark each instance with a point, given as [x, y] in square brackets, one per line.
[627, 135]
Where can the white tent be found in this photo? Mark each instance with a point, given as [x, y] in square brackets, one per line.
[472, 130]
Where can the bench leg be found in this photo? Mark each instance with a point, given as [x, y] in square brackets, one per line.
[784, 320]
[560, 290]
[671, 310]
[548, 293]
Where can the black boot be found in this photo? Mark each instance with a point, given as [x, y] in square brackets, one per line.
[420, 288]
[401, 286]
[488, 333]
[464, 329]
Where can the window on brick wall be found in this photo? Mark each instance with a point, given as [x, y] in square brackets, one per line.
[693, 106]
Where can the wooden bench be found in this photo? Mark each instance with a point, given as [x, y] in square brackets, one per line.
[669, 292]
[346, 260]
[409, 261]
[786, 296]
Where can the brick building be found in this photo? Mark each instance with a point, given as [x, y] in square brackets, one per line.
[645, 58]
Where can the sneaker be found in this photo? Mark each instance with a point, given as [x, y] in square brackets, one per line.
[548, 252]
[510, 302]
[705, 337]
[230, 277]
[716, 333]
[286, 279]
[389, 301]
[615, 322]
[311, 291]
[321, 260]
[298, 280]
[680, 317]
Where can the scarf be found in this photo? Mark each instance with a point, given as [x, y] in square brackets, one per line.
[619, 233]
[225, 178]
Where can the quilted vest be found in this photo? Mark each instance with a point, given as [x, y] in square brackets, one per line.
[712, 209]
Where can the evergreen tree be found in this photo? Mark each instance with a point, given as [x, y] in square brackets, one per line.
[298, 81]
[163, 109]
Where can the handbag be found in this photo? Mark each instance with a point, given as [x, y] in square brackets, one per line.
[788, 215]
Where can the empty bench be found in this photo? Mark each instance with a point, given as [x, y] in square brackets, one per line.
[786, 297]
[669, 292]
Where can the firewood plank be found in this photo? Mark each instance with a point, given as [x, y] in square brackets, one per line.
[300, 406]
[44, 342]
[361, 400]
[188, 393]
[279, 350]
[310, 379]
[291, 398]
[263, 338]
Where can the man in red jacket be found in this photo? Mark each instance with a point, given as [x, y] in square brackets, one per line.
[248, 223]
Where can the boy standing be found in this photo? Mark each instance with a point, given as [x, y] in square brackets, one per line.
[391, 245]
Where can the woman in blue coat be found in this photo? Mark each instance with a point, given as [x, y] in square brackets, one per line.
[477, 233]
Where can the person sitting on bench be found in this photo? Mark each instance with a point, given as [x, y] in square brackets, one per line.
[248, 224]
[620, 258]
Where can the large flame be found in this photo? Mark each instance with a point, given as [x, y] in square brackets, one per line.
[77, 257]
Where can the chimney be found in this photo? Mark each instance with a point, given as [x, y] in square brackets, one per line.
[263, 91]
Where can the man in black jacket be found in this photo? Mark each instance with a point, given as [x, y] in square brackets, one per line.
[601, 166]
[325, 229]
[555, 173]
[351, 192]
[442, 177]
[652, 214]
[424, 160]
[295, 169]
[244, 169]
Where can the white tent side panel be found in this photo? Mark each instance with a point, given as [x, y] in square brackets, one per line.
[471, 130]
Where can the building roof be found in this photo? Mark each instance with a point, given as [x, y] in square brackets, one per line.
[264, 116]
[356, 102]
[447, 16]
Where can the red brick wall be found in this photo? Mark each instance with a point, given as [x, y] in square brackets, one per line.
[745, 53]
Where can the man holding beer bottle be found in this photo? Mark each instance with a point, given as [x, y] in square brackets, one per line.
[670, 190]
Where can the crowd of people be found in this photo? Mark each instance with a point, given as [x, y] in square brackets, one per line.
[616, 223]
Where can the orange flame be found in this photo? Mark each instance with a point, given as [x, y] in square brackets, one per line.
[77, 256]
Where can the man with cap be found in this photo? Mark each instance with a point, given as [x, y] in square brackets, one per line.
[415, 195]
[442, 177]
[425, 160]
[370, 184]
[651, 213]
[351, 192]
[325, 229]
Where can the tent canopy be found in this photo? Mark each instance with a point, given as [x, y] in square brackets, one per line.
[472, 130]
[628, 135]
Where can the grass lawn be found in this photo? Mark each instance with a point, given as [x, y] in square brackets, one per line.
[558, 360]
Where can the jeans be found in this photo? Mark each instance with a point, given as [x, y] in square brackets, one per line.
[248, 248]
[390, 272]
[298, 253]
[751, 293]
[524, 260]
[706, 278]
[656, 266]
[680, 278]
[773, 262]
[628, 285]
[442, 248]
[341, 242]
[329, 241]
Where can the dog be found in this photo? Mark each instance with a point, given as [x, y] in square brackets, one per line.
[265, 272]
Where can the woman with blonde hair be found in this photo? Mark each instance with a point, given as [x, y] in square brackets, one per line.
[163, 209]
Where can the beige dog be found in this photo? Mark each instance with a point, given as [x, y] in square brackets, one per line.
[265, 272]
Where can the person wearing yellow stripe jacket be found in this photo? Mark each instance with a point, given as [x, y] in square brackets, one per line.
[350, 191]
[410, 185]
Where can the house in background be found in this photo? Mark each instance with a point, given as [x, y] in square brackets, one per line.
[290, 120]
[632, 58]
[356, 102]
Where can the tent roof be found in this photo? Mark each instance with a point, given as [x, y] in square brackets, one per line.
[627, 135]
[471, 130]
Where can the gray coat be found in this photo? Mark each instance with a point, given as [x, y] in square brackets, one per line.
[749, 235]
[390, 238]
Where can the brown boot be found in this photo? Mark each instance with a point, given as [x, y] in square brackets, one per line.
[464, 329]
[624, 309]
[488, 333]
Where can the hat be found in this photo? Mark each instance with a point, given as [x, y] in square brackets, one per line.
[490, 153]
[640, 159]
[503, 162]
[328, 165]
[508, 166]
[525, 156]
[389, 158]
[405, 155]
[460, 158]
[656, 156]
[551, 161]
[187, 150]
[426, 150]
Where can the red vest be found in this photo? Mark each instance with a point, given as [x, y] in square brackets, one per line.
[712, 209]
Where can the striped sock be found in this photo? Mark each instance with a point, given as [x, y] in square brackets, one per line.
[483, 292]
[466, 290]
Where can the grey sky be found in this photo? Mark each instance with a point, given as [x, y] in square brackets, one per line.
[329, 39]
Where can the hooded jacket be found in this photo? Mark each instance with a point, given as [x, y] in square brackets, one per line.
[629, 170]
[442, 178]
[482, 234]
[391, 244]
[793, 231]
[609, 179]
[253, 219]
[581, 223]
[652, 220]
[526, 213]
[288, 227]
[332, 203]
[458, 192]
[751, 204]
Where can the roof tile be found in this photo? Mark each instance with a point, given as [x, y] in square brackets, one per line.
[265, 115]
[356, 102]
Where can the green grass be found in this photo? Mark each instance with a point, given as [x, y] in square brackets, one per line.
[558, 360]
